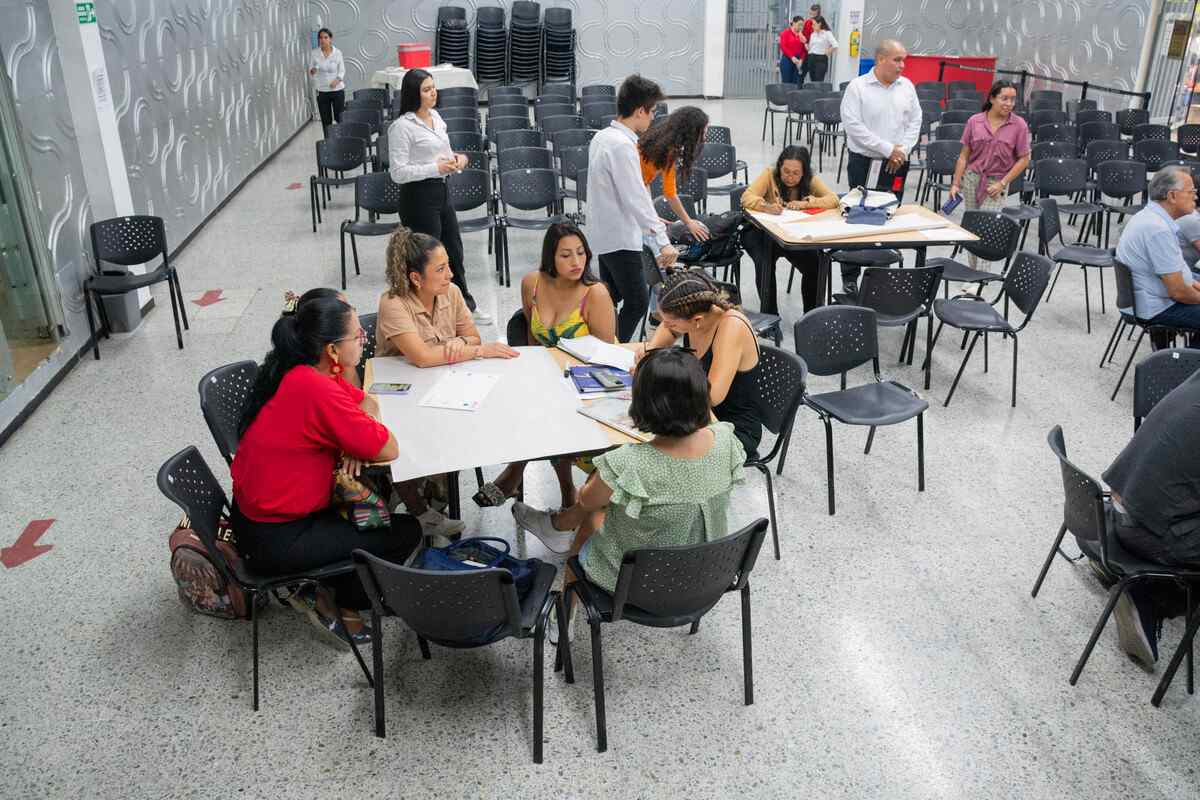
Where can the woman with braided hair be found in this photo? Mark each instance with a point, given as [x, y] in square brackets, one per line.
[691, 305]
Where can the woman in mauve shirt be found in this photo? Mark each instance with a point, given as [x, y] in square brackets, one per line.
[302, 422]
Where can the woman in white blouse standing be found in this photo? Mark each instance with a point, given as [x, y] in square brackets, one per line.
[328, 71]
[420, 158]
[821, 47]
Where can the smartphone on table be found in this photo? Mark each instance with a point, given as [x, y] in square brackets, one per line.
[390, 388]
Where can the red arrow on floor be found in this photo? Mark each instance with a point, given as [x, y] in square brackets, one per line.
[26, 546]
[209, 297]
[295, 186]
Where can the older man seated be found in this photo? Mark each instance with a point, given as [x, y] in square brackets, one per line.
[1165, 291]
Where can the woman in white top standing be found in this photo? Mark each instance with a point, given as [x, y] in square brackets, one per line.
[420, 159]
[328, 71]
[821, 47]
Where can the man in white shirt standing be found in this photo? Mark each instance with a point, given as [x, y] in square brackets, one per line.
[881, 116]
[619, 205]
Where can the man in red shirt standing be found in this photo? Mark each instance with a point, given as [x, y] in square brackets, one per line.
[814, 11]
[791, 51]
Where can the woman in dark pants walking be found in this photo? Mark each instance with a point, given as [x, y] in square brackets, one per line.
[420, 160]
[328, 71]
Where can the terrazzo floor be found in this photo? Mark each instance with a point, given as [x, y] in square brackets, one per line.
[898, 653]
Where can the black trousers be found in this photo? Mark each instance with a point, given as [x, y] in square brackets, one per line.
[764, 252]
[425, 208]
[280, 548]
[331, 104]
[623, 271]
[858, 168]
[815, 67]
[1165, 597]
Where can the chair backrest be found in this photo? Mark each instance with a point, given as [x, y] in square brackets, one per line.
[494, 93]
[469, 141]
[1052, 149]
[1149, 131]
[497, 124]
[1075, 106]
[896, 292]
[572, 137]
[1083, 499]
[1092, 115]
[718, 133]
[368, 116]
[529, 189]
[129, 240]
[1061, 176]
[1188, 137]
[468, 124]
[1025, 282]
[1056, 132]
[694, 185]
[445, 607]
[1090, 131]
[371, 103]
[663, 209]
[965, 105]
[802, 101]
[777, 93]
[383, 95]
[949, 130]
[1121, 178]
[835, 339]
[598, 90]
[1053, 94]
[955, 117]
[1100, 150]
[968, 85]
[931, 90]
[559, 89]
[368, 323]
[1155, 152]
[501, 108]
[572, 160]
[779, 381]
[477, 159]
[526, 137]
[350, 129]
[223, 395]
[511, 158]
[459, 112]
[581, 186]
[1048, 116]
[516, 333]
[377, 192]
[689, 580]
[469, 189]
[941, 156]
[383, 153]
[1156, 375]
[828, 111]
[552, 125]
[186, 481]
[999, 234]
[453, 95]
[552, 106]
[342, 154]
[931, 112]
[1129, 118]
[1123, 278]
[718, 160]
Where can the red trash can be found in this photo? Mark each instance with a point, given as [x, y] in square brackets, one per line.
[414, 54]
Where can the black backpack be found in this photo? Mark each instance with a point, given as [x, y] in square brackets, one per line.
[723, 244]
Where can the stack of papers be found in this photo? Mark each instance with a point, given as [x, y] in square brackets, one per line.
[820, 230]
[591, 350]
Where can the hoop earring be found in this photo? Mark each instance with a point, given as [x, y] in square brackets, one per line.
[336, 369]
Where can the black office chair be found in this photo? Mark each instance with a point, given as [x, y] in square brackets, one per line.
[833, 340]
[1049, 228]
[187, 481]
[1157, 375]
[528, 190]
[127, 241]
[468, 190]
[999, 235]
[375, 193]
[337, 156]
[1126, 298]
[1024, 284]
[460, 610]
[780, 381]
[666, 587]
[223, 395]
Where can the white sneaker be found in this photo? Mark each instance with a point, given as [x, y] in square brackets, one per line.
[482, 317]
[538, 523]
[435, 523]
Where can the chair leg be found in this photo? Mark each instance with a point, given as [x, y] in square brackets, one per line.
[179, 294]
[312, 201]
[747, 647]
[562, 650]
[1113, 595]
[695, 628]
[377, 658]
[829, 461]
[361, 663]
[985, 352]
[539, 659]
[175, 312]
[1112, 340]
[342, 242]
[598, 687]
[764, 130]
[870, 438]
[928, 350]
[1037, 585]
[1014, 387]
[1189, 636]
[88, 298]
[1054, 282]
[1132, 353]
[254, 642]
[1087, 300]
[424, 645]
[961, 367]
[921, 452]
[354, 252]
[766, 471]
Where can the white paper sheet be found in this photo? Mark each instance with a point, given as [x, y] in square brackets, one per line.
[597, 351]
[788, 215]
[817, 230]
[947, 234]
[460, 390]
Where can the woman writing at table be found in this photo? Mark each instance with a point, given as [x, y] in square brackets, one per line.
[790, 184]
[302, 421]
[562, 300]
[420, 158]
[692, 306]
[422, 316]
[995, 151]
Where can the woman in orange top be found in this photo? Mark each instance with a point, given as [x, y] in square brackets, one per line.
[677, 139]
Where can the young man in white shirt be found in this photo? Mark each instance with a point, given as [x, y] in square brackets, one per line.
[619, 205]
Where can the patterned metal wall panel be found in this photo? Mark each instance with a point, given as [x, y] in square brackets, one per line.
[205, 91]
[663, 40]
[1094, 40]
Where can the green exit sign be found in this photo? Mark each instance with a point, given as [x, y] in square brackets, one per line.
[86, 13]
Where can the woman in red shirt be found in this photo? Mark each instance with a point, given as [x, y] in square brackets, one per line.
[301, 423]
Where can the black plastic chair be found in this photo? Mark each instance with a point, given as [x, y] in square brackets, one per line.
[900, 297]
[597, 117]
[371, 117]
[962, 105]
[955, 116]
[460, 610]
[383, 95]
[337, 156]
[1074, 107]
[1068, 177]
[1087, 115]
[1157, 375]
[941, 156]
[597, 90]
[571, 161]
[1154, 153]
[1126, 298]
[545, 107]
[666, 587]
[467, 142]
[571, 137]
[127, 241]
[375, 193]
[828, 117]
[462, 124]
[521, 137]
[1045, 94]
[777, 103]
[468, 190]
[801, 107]
[1147, 131]
[694, 186]
[833, 340]
[529, 190]
[764, 325]
[561, 122]
[511, 158]
[999, 235]
[1024, 285]
[518, 109]
[495, 93]
[566, 90]
[1091, 131]
[1049, 228]
[1188, 137]
[1084, 520]
[223, 395]
[460, 112]
[949, 131]
[1123, 180]
[1049, 116]
[718, 161]
[931, 90]
[1057, 132]
[1129, 118]
[954, 87]
[187, 481]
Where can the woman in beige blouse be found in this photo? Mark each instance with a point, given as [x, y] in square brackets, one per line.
[790, 184]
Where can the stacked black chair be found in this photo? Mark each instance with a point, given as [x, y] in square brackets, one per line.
[335, 157]
[777, 103]
[497, 124]
[469, 124]
[665, 587]
[509, 107]
[552, 105]
[563, 89]
[956, 117]
[525, 42]
[521, 137]
[958, 86]
[1056, 132]
[1076, 106]
[1050, 116]
[571, 137]
[1051, 149]
[1128, 119]
[571, 162]
[383, 95]
[560, 122]
[1148, 131]
[1049, 229]
[833, 340]
[931, 90]
[187, 481]
[966, 104]
[507, 94]
[223, 395]
[376, 194]
[1158, 374]
[451, 39]
[1024, 285]
[455, 111]
[467, 141]
[599, 113]
[1046, 96]
[459, 610]
[127, 241]
[1092, 131]
[558, 46]
[511, 158]
[491, 45]
[459, 96]
[1092, 115]
[949, 131]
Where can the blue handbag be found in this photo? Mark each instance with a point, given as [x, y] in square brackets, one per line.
[862, 215]
[454, 558]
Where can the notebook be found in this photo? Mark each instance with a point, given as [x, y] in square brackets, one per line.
[591, 350]
[586, 382]
[614, 413]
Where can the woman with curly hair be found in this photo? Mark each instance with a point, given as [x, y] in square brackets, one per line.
[670, 149]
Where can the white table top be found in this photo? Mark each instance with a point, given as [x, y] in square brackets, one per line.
[531, 413]
[445, 76]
